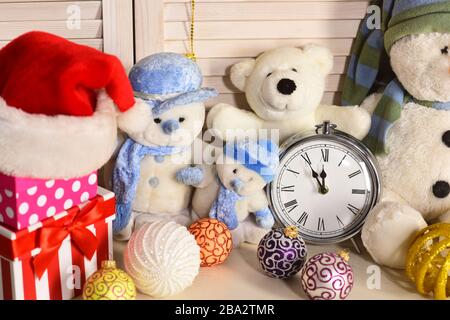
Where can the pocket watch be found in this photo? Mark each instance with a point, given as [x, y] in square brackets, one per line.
[326, 184]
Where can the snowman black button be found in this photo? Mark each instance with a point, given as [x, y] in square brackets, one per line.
[446, 138]
[441, 189]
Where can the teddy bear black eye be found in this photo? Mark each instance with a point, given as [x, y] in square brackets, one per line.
[444, 50]
[293, 69]
[181, 119]
[157, 120]
[235, 171]
[269, 74]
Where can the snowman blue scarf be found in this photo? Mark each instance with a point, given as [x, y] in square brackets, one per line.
[126, 176]
[224, 207]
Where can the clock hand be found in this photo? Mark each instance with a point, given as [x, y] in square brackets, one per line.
[315, 175]
[323, 175]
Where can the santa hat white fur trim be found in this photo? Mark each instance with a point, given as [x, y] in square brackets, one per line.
[41, 146]
[135, 119]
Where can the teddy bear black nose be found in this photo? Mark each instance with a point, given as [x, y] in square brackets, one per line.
[441, 189]
[446, 138]
[286, 86]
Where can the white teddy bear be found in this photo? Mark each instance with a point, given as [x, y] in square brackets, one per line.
[153, 175]
[235, 194]
[284, 88]
[411, 130]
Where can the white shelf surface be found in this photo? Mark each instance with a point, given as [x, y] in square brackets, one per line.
[240, 278]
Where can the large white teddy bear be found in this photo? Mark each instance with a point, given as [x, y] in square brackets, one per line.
[284, 88]
[235, 194]
[153, 175]
[412, 123]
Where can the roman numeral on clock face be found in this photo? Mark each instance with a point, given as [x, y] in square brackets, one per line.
[291, 205]
[288, 188]
[305, 157]
[325, 154]
[342, 160]
[353, 209]
[358, 191]
[354, 174]
[321, 224]
[293, 171]
[303, 218]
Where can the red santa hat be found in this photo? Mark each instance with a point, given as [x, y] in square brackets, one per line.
[58, 106]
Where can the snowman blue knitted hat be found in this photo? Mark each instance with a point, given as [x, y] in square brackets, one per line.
[260, 156]
[166, 80]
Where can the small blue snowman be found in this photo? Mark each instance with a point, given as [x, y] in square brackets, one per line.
[236, 194]
[154, 175]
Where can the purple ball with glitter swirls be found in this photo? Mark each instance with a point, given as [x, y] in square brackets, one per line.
[327, 276]
[282, 253]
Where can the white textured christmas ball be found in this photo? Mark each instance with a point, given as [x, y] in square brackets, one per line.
[163, 258]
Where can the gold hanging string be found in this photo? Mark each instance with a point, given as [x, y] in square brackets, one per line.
[191, 54]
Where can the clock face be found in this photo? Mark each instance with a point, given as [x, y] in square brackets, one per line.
[325, 188]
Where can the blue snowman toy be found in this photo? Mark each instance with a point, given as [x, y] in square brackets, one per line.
[154, 173]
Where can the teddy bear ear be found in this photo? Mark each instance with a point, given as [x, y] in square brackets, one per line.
[240, 72]
[321, 55]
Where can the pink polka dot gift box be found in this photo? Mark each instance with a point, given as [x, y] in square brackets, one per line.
[26, 201]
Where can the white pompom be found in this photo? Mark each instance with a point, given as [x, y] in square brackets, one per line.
[163, 258]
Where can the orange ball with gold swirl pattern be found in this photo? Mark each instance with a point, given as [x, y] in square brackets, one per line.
[109, 283]
[214, 239]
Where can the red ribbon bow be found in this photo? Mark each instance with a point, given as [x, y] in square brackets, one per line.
[75, 225]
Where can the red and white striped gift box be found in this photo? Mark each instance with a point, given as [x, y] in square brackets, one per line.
[64, 267]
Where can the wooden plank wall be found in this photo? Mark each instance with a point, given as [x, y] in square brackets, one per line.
[20, 17]
[226, 30]
[103, 24]
[230, 30]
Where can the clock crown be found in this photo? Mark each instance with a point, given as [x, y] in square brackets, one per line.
[326, 127]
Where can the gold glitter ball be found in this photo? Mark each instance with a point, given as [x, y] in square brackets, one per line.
[109, 283]
[428, 261]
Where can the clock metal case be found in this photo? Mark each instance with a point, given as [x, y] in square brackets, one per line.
[328, 132]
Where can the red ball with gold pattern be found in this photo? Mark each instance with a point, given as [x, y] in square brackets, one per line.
[214, 239]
